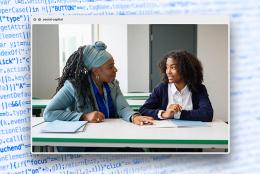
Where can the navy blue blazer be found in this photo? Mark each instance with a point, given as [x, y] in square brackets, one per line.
[158, 100]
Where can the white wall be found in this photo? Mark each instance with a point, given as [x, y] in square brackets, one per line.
[212, 50]
[45, 60]
[115, 37]
[138, 58]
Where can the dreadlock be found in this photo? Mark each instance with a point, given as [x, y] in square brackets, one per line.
[76, 72]
[189, 67]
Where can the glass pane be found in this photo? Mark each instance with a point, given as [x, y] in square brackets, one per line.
[71, 37]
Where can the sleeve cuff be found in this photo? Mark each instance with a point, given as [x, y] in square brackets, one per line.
[130, 118]
[160, 115]
[78, 115]
[177, 115]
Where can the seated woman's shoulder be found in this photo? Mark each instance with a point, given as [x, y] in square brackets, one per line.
[161, 85]
[69, 84]
[202, 87]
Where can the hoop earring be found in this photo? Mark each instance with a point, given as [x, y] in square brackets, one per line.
[97, 77]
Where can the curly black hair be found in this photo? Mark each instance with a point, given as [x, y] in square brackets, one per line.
[188, 66]
[76, 72]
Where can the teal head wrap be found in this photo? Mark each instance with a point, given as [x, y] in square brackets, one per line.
[95, 55]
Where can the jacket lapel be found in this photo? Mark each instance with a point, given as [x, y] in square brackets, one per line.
[164, 96]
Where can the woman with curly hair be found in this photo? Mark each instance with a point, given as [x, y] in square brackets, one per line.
[181, 95]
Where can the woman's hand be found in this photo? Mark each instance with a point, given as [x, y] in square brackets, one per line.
[93, 117]
[171, 110]
[142, 120]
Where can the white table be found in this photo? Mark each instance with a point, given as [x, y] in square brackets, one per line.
[119, 133]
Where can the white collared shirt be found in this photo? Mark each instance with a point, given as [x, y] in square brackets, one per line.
[183, 98]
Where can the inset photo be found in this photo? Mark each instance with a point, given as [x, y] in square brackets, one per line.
[159, 85]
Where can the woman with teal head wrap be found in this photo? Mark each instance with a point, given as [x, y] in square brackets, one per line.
[87, 90]
[95, 55]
